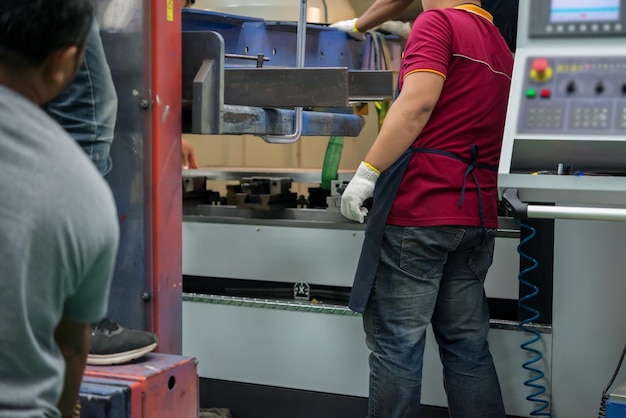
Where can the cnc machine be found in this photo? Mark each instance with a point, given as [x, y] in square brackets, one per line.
[563, 161]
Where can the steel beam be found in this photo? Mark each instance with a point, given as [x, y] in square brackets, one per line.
[286, 87]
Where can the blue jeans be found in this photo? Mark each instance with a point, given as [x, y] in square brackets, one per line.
[87, 109]
[431, 275]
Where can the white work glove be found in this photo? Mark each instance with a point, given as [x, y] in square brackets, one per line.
[360, 188]
[396, 27]
[349, 26]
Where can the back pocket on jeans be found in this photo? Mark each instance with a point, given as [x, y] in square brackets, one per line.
[423, 250]
[482, 256]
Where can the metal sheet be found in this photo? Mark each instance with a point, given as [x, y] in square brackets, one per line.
[368, 86]
[307, 87]
[286, 87]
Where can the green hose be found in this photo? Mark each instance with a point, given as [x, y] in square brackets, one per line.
[381, 108]
[331, 161]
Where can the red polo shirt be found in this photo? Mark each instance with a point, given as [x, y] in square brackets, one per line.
[462, 45]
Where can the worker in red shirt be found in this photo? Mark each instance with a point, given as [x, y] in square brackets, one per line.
[431, 230]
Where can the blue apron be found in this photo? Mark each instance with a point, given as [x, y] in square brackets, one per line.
[384, 195]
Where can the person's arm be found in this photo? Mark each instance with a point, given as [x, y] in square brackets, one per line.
[406, 118]
[73, 340]
[404, 122]
[424, 71]
[379, 12]
[189, 155]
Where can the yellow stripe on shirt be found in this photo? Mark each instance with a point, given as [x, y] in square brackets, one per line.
[424, 70]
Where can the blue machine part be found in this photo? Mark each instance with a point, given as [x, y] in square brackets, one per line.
[325, 46]
[615, 409]
[257, 121]
[277, 41]
[101, 398]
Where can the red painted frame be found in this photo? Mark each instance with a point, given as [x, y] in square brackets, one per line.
[165, 63]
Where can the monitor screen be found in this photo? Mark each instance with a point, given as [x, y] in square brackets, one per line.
[584, 11]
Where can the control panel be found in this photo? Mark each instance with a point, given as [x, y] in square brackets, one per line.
[567, 18]
[565, 131]
[573, 95]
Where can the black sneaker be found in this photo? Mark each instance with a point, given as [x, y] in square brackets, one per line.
[113, 344]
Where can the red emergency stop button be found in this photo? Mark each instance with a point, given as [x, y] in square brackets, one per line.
[540, 65]
[540, 70]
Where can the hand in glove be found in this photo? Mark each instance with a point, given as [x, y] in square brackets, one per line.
[360, 188]
[395, 27]
[349, 26]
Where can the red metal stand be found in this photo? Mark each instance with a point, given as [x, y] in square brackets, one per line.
[166, 216]
[157, 386]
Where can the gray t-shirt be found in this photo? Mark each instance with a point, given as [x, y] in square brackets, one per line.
[58, 241]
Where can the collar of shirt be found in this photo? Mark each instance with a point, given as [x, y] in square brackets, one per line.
[472, 8]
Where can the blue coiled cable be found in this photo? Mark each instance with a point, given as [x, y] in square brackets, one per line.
[539, 389]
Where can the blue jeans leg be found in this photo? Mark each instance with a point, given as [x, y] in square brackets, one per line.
[87, 109]
[461, 324]
[425, 275]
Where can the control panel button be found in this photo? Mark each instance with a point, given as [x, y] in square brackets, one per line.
[624, 88]
[540, 65]
[571, 87]
[532, 93]
[599, 88]
[540, 70]
[545, 93]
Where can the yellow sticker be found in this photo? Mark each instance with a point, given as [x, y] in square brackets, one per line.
[170, 10]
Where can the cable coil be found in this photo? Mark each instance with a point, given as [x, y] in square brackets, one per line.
[542, 409]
